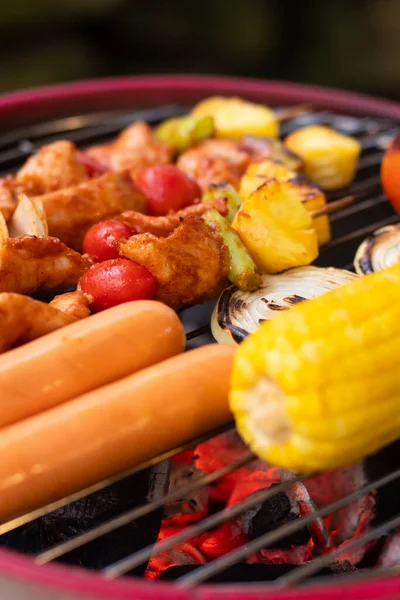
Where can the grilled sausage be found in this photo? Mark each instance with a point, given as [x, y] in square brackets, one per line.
[86, 355]
[113, 428]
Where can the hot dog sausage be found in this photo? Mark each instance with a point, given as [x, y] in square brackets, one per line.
[113, 428]
[86, 355]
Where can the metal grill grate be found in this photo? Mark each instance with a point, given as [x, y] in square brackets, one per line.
[349, 226]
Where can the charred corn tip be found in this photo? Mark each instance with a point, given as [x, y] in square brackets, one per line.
[330, 158]
[234, 117]
[317, 387]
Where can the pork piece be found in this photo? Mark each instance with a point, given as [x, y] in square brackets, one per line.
[215, 161]
[133, 151]
[23, 319]
[189, 264]
[29, 263]
[163, 226]
[54, 167]
[74, 304]
[7, 197]
[72, 211]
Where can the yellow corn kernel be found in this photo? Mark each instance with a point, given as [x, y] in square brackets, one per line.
[234, 117]
[330, 158]
[276, 229]
[317, 387]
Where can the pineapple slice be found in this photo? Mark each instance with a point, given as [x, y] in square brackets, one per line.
[276, 229]
[312, 198]
[293, 183]
[258, 173]
[234, 117]
[330, 158]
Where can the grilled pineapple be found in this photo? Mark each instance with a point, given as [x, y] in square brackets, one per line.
[234, 117]
[330, 158]
[276, 229]
[292, 183]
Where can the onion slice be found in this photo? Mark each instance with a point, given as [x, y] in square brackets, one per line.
[379, 251]
[237, 314]
[29, 218]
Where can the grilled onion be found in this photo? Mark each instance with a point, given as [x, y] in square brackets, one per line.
[237, 314]
[379, 251]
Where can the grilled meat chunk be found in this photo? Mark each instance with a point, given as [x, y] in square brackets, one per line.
[163, 226]
[29, 263]
[189, 264]
[23, 319]
[72, 211]
[135, 149]
[54, 167]
[74, 304]
[215, 161]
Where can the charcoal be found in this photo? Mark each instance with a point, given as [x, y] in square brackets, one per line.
[87, 513]
[273, 513]
[378, 465]
[238, 573]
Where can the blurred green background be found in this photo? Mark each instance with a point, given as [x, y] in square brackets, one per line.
[353, 44]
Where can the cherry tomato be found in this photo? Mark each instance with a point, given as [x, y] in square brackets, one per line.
[92, 166]
[117, 281]
[167, 188]
[100, 241]
[390, 172]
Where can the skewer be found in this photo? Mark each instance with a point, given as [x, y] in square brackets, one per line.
[333, 206]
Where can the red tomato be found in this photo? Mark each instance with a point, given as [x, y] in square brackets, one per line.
[390, 172]
[100, 241]
[167, 188]
[92, 166]
[117, 281]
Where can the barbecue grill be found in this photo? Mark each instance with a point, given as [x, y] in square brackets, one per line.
[94, 112]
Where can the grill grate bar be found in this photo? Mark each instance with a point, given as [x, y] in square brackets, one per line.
[140, 512]
[105, 123]
[363, 231]
[354, 208]
[220, 564]
[307, 569]
[135, 560]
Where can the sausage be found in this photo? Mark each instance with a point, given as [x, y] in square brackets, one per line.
[114, 428]
[86, 355]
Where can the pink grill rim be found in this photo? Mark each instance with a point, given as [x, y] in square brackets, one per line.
[29, 106]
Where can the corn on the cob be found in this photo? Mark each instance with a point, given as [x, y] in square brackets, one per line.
[330, 158]
[317, 387]
[276, 229]
[292, 183]
[234, 117]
